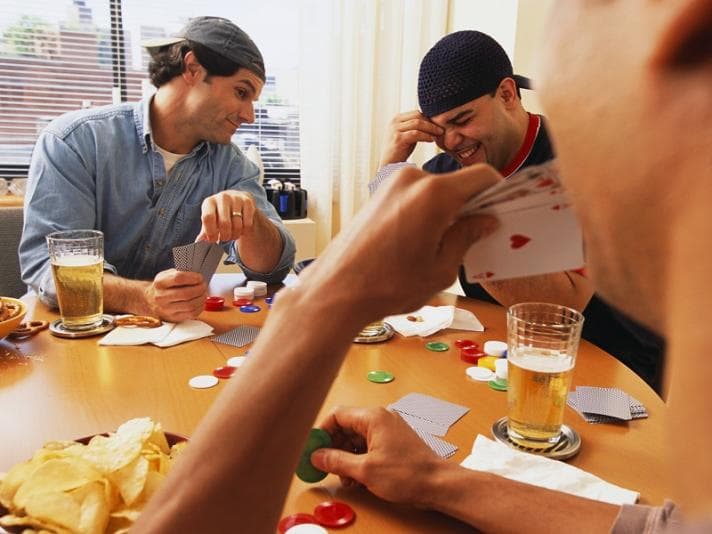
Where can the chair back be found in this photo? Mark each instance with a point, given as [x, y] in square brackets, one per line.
[10, 233]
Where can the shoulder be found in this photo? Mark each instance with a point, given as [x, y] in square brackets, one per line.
[91, 119]
[441, 163]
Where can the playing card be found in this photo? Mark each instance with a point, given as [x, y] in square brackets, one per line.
[422, 424]
[430, 408]
[528, 242]
[237, 337]
[637, 410]
[604, 401]
[210, 262]
[201, 251]
[531, 181]
[439, 446]
[183, 257]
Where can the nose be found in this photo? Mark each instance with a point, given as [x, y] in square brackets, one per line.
[247, 114]
[451, 139]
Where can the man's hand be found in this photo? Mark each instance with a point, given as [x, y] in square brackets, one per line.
[226, 216]
[405, 131]
[404, 245]
[376, 448]
[175, 295]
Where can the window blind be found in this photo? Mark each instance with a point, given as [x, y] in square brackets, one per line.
[62, 55]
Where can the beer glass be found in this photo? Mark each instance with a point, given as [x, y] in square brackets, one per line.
[77, 258]
[542, 342]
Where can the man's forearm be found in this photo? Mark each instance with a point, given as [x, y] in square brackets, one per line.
[496, 504]
[565, 288]
[260, 247]
[124, 295]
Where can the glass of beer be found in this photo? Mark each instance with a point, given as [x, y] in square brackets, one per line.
[77, 258]
[542, 341]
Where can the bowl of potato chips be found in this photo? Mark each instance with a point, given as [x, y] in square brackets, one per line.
[92, 485]
[12, 312]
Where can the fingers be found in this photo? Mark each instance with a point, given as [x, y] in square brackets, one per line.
[420, 124]
[226, 215]
[177, 295]
[345, 464]
[462, 234]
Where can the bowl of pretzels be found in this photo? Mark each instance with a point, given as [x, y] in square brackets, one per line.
[12, 311]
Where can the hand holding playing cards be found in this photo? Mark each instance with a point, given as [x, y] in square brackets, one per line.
[175, 295]
[405, 132]
[405, 244]
[376, 448]
[226, 216]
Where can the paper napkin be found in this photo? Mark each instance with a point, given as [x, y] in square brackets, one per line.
[497, 458]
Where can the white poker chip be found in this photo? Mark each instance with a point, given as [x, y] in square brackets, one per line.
[243, 293]
[203, 381]
[260, 288]
[501, 369]
[495, 348]
[237, 361]
[307, 528]
[481, 374]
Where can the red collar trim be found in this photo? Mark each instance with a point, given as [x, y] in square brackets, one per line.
[526, 148]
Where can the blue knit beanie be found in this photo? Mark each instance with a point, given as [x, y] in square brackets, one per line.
[460, 67]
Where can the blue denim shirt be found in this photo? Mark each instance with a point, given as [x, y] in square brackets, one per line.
[100, 169]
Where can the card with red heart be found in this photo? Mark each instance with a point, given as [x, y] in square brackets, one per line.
[538, 240]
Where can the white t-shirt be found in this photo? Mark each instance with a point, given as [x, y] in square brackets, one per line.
[169, 159]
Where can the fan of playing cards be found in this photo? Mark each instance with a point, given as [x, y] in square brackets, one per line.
[200, 257]
[538, 231]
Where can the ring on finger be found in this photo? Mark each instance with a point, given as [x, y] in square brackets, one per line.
[237, 214]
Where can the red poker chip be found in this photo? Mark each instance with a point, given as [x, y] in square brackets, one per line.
[214, 303]
[224, 372]
[334, 514]
[471, 354]
[289, 521]
[241, 302]
[462, 343]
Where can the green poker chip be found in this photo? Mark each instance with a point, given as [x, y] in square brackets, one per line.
[380, 377]
[437, 346]
[306, 471]
[498, 384]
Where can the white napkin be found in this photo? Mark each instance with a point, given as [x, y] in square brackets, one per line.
[166, 335]
[497, 458]
[434, 319]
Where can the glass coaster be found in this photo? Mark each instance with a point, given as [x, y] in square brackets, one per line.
[58, 329]
[567, 446]
[375, 333]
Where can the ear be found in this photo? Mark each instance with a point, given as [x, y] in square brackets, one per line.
[686, 40]
[192, 70]
[507, 92]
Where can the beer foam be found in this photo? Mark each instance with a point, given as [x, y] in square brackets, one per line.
[78, 260]
[556, 363]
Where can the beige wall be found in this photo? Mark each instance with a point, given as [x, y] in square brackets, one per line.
[531, 20]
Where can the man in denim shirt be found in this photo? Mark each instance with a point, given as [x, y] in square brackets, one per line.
[160, 173]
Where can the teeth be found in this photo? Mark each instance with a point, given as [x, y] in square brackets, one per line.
[467, 153]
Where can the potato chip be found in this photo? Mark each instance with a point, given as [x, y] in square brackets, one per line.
[69, 487]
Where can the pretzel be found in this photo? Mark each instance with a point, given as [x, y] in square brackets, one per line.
[28, 329]
[143, 321]
[8, 310]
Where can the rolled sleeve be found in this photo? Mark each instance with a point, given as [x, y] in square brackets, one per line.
[246, 174]
[60, 197]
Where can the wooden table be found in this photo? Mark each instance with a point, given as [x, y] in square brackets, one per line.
[53, 388]
[11, 201]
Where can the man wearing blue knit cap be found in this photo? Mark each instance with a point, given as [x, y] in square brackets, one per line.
[470, 106]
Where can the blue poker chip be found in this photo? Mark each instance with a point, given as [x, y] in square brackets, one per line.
[269, 300]
[249, 309]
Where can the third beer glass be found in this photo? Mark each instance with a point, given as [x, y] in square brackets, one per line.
[542, 343]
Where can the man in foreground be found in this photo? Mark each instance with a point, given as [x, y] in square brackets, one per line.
[643, 231]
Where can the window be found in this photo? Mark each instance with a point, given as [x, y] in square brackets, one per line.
[61, 55]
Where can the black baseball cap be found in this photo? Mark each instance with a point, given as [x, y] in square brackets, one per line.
[219, 35]
[460, 67]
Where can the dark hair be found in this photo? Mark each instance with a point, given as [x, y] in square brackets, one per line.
[168, 62]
